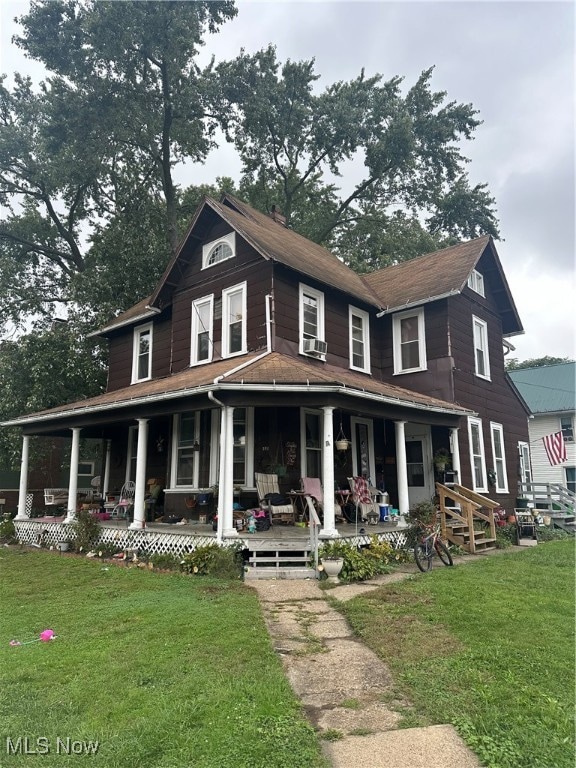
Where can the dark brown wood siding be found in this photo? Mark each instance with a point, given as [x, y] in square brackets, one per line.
[121, 348]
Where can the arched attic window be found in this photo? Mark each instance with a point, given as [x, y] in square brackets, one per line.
[219, 250]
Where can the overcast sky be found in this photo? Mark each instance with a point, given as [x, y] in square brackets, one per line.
[514, 61]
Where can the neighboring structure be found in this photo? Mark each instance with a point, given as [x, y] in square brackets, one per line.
[258, 348]
[550, 392]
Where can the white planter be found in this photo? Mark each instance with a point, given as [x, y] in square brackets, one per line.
[63, 546]
[332, 567]
[342, 445]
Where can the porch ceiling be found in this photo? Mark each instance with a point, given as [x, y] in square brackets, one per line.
[267, 373]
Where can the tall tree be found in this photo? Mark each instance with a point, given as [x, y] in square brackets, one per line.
[295, 141]
[513, 364]
[126, 100]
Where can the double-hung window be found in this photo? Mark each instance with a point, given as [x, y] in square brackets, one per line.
[525, 467]
[311, 316]
[481, 358]
[359, 324]
[477, 456]
[202, 323]
[142, 353]
[567, 428]
[499, 457]
[409, 341]
[311, 439]
[234, 320]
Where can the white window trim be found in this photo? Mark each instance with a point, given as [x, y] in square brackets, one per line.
[369, 424]
[174, 452]
[495, 427]
[196, 330]
[90, 472]
[472, 421]
[303, 446]
[525, 461]
[365, 317]
[397, 338]
[135, 352]
[319, 296]
[484, 331]
[476, 282]
[248, 447]
[240, 288]
[229, 239]
[130, 454]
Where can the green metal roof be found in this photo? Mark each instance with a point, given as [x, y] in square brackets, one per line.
[548, 389]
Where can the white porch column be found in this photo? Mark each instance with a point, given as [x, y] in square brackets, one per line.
[226, 486]
[73, 482]
[140, 490]
[455, 449]
[401, 468]
[106, 478]
[328, 530]
[23, 489]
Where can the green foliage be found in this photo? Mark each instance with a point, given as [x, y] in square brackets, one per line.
[214, 560]
[506, 536]
[366, 562]
[513, 364]
[424, 513]
[85, 530]
[166, 562]
[7, 531]
[544, 533]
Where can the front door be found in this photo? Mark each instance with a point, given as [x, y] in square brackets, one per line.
[419, 464]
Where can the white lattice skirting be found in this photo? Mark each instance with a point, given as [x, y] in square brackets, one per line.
[150, 543]
[146, 542]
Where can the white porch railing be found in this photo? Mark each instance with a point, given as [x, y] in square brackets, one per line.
[550, 496]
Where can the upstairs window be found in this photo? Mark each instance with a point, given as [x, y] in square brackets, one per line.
[219, 250]
[481, 360]
[142, 354]
[566, 425]
[202, 323]
[409, 341]
[359, 324]
[311, 319]
[234, 320]
[476, 282]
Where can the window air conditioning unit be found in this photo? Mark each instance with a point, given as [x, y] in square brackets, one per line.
[315, 347]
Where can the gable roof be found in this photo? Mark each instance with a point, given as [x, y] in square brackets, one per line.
[548, 388]
[268, 370]
[276, 242]
[441, 274]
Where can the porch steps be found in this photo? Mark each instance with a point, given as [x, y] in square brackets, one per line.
[460, 535]
[564, 522]
[279, 559]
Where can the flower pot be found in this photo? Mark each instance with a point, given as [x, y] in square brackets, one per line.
[333, 566]
[63, 546]
[342, 445]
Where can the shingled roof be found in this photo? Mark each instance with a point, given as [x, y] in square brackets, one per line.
[264, 369]
[441, 274]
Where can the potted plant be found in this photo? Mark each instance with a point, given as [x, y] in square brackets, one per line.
[442, 459]
[64, 545]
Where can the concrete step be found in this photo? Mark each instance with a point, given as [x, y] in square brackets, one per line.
[279, 573]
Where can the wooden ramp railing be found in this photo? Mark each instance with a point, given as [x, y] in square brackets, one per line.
[457, 523]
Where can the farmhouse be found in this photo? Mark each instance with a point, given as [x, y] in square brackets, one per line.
[259, 352]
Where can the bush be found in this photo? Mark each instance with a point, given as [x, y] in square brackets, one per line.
[213, 560]
[505, 536]
[552, 534]
[166, 562]
[7, 531]
[85, 530]
[366, 562]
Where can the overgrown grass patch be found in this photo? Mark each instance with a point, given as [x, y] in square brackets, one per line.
[488, 647]
[163, 670]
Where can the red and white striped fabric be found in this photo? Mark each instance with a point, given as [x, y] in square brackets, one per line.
[555, 448]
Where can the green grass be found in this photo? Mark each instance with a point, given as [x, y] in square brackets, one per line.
[163, 670]
[489, 647]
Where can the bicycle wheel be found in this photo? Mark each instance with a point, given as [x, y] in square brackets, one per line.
[423, 556]
[443, 552]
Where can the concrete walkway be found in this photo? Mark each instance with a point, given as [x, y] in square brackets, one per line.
[344, 686]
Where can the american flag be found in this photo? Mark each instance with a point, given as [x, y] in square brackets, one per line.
[555, 448]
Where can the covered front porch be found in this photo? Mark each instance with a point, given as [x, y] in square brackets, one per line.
[205, 443]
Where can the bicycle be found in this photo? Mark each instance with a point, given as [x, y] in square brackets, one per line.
[427, 545]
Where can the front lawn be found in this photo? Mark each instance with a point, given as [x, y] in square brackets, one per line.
[162, 670]
[489, 647]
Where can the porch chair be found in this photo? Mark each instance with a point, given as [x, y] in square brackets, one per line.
[361, 497]
[125, 501]
[312, 486]
[269, 497]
